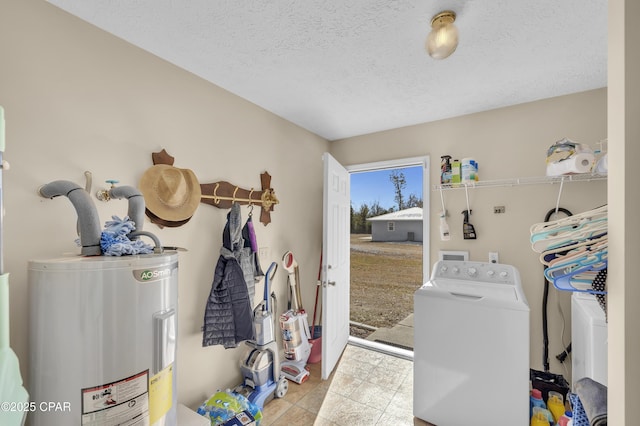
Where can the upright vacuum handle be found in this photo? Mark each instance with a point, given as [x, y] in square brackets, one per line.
[268, 277]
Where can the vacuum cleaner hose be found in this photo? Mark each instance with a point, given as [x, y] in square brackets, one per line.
[545, 300]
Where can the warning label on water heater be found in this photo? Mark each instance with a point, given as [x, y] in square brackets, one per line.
[125, 402]
[161, 393]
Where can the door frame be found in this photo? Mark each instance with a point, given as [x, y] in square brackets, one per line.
[423, 161]
[426, 206]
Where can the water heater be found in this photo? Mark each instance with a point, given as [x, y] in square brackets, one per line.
[103, 340]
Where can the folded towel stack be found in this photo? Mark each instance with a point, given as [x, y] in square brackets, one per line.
[592, 398]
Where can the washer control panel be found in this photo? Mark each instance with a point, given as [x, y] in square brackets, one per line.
[475, 271]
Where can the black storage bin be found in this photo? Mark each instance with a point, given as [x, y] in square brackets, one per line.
[546, 382]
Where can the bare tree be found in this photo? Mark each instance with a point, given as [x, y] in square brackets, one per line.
[399, 183]
[414, 201]
[376, 209]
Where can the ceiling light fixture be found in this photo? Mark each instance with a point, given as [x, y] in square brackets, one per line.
[443, 38]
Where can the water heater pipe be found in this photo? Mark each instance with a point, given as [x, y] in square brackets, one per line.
[136, 204]
[158, 247]
[85, 209]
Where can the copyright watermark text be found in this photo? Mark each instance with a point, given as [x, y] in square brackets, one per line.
[31, 406]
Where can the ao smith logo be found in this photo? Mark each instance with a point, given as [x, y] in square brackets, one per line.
[150, 275]
[153, 274]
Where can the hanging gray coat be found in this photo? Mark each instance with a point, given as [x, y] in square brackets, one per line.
[228, 314]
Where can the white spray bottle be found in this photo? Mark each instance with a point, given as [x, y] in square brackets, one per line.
[444, 226]
[602, 166]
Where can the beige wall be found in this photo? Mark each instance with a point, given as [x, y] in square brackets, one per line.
[78, 99]
[507, 143]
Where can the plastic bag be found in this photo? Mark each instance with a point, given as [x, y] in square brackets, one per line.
[223, 406]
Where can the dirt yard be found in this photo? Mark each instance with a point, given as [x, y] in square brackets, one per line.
[384, 277]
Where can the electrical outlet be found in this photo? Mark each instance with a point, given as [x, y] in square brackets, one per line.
[493, 257]
[498, 209]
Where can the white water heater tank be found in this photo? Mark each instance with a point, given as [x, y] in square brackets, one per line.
[103, 340]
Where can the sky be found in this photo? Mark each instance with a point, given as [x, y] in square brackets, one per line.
[368, 187]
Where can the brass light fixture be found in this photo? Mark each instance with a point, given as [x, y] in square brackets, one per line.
[443, 38]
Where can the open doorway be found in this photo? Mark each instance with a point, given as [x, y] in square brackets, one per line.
[389, 249]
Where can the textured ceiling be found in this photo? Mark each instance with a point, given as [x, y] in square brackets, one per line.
[342, 68]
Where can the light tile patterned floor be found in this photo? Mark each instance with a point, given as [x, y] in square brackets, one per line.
[367, 388]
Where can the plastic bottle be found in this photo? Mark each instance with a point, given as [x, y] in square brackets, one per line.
[455, 171]
[539, 417]
[468, 170]
[566, 419]
[445, 169]
[445, 235]
[555, 402]
[535, 401]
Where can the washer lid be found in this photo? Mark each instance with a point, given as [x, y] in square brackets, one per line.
[481, 280]
[479, 290]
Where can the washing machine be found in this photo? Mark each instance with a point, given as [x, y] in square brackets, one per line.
[471, 346]
[588, 339]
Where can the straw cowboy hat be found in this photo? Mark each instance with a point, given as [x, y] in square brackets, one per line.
[170, 193]
[162, 222]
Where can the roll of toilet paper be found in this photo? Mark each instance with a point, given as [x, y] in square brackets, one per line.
[578, 163]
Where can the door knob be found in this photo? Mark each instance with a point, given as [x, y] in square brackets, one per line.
[326, 283]
[329, 282]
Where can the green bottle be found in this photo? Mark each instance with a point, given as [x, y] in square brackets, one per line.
[455, 171]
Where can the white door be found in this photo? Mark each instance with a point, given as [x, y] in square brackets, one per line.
[335, 252]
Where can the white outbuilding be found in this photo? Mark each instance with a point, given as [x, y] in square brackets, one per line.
[403, 225]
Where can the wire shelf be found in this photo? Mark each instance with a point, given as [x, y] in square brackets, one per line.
[534, 180]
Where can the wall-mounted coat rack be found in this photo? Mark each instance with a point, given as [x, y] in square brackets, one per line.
[223, 194]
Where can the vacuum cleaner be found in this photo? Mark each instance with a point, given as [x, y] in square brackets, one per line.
[263, 379]
[295, 328]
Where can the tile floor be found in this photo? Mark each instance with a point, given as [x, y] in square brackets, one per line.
[366, 388]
